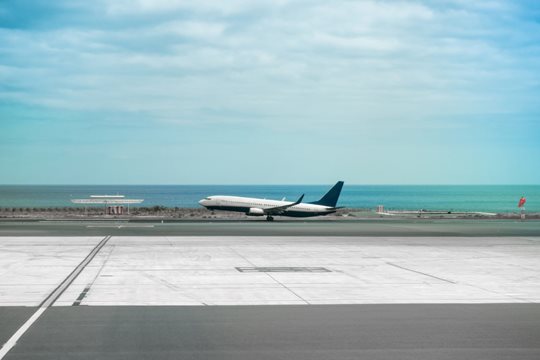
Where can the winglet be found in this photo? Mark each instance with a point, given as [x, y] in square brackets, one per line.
[299, 200]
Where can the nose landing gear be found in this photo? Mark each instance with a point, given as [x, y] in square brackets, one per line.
[269, 218]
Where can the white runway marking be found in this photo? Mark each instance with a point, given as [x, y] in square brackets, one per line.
[13, 340]
[51, 298]
[119, 226]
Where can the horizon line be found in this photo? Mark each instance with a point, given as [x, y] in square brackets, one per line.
[283, 184]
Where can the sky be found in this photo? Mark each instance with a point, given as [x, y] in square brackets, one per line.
[269, 92]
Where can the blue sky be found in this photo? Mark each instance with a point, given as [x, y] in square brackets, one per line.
[269, 92]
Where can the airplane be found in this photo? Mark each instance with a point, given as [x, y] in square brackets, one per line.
[270, 208]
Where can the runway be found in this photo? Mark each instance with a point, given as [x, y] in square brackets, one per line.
[271, 297]
[280, 227]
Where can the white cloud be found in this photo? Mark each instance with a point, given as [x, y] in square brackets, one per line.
[289, 59]
[368, 43]
[195, 29]
[127, 7]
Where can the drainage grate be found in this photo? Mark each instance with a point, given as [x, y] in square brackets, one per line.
[283, 269]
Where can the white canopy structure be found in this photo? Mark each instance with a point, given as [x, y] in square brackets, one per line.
[107, 200]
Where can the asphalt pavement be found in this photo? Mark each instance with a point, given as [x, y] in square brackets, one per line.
[494, 331]
[383, 227]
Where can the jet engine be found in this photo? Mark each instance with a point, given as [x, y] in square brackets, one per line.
[255, 212]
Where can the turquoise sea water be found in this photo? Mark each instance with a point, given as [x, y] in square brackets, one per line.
[492, 198]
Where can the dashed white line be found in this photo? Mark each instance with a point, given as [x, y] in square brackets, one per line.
[119, 226]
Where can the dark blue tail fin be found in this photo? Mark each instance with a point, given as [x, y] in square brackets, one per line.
[331, 197]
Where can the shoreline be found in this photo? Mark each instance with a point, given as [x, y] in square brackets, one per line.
[183, 214]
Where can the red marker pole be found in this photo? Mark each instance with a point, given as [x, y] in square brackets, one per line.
[521, 205]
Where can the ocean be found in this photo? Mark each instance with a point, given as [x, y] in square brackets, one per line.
[489, 198]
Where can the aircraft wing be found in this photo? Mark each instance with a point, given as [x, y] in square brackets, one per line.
[280, 209]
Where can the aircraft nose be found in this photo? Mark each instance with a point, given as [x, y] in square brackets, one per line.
[202, 202]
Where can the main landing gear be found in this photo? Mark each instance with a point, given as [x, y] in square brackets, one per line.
[269, 218]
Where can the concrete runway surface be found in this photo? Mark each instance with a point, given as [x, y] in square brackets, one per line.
[233, 297]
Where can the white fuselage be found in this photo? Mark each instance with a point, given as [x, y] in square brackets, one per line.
[251, 206]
